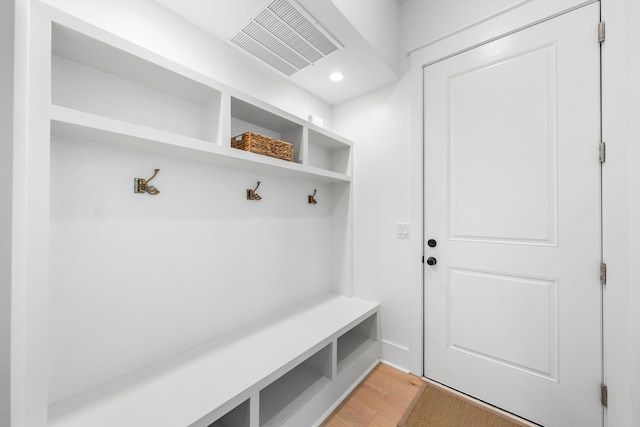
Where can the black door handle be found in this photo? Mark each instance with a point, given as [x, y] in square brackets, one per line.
[432, 261]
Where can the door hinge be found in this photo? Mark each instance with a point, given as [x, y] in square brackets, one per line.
[601, 32]
[604, 395]
[603, 273]
[603, 152]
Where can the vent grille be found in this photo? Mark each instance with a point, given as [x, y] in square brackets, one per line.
[259, 51]
[289, 37]
[269, 41]
[283, 36]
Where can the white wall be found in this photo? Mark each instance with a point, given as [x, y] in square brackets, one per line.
[439, 28]
[379, 123]
[633, 90]
[137, 278]
[378, 22]
[6, 156]
[426, 21]
[155, 28]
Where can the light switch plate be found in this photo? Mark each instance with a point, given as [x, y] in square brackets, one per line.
[402, 230]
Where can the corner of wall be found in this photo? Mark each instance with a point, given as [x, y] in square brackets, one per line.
[7, 40]
[385, 268]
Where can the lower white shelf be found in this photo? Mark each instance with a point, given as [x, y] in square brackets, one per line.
[76, 125]
[237, 417]
[284, 396]
[285, 363]
[356, 342]
[350, 347]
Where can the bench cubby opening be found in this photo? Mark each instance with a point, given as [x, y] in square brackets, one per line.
[237, 417]
[292, 390]
[356, 342]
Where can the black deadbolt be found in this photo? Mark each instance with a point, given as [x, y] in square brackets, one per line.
[432, 261]
[432, 243]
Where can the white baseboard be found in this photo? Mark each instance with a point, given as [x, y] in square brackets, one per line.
[397, 356]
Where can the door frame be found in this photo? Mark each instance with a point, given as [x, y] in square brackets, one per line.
[512, 20]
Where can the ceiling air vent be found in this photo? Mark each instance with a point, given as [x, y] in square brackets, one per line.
[286, 37]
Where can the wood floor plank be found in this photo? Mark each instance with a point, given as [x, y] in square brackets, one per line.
[384, 396]
[379, 401]
[384, 404]
[404, 387]
[354, 413]
[380, 421]
[335, 420]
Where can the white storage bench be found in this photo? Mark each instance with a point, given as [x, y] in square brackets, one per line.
[290, 370]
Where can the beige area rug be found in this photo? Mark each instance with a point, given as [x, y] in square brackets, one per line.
[436, 406]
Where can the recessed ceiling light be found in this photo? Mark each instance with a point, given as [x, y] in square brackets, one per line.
[336, 77]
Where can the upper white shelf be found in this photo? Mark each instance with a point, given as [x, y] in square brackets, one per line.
[76, 125]
[107, 90]
[121, 58]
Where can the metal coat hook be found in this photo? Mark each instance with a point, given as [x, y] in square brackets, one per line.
[312, 198]
[252, 195]
[141, 185]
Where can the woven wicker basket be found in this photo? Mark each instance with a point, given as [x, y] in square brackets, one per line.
[264, 145]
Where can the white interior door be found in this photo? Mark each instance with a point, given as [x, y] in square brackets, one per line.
[512, 178]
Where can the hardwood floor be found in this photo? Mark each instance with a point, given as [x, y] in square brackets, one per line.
[380, 400]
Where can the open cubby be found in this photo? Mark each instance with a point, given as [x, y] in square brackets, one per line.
[356, 342]
[247, 117]
[90, 76]
[329, 153]
[284, 396]
[237, 417]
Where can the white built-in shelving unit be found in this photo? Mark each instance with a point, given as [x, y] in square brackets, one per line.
[104, 94]
[108, 98]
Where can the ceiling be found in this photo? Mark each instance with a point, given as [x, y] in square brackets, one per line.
[368, 57]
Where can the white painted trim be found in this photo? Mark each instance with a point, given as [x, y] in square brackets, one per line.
[7, 53]
[399, 368]
[487, 30]
[416, 218]
[395, 355]
[30, 228]
[620, 202]
[467, 27]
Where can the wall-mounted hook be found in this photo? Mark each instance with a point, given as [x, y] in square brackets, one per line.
[141, 185]
[312, 198]
[252, 195]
